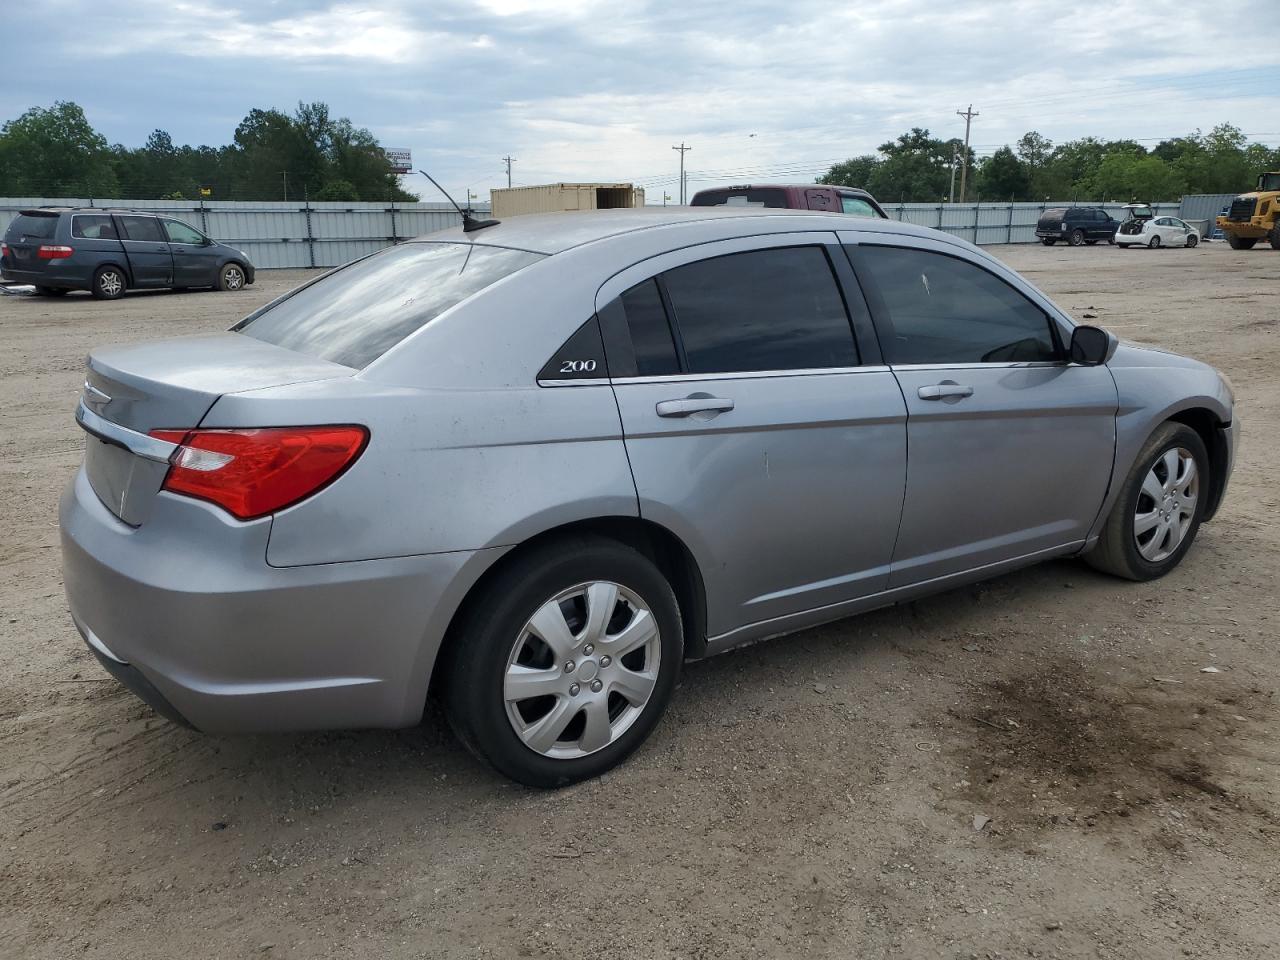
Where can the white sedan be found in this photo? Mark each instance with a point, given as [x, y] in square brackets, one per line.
[1157, 232]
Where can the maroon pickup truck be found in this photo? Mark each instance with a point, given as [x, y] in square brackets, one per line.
[849, 200]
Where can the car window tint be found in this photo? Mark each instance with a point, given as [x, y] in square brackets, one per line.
[357, 313]
[142, 228]
[93, 227]
[180, 232]
[745, 197]
[33, 227]
[776, 309]
[945, 310]
[858, 207]
[655, 352]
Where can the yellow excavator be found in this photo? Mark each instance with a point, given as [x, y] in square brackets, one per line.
[1254, 216]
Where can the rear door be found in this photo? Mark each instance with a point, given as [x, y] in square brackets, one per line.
[26, 233]
[195, 259]
[147, 248]
[756, 432]
[1010, 446]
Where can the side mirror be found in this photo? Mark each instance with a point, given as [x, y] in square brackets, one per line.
[1091, 346]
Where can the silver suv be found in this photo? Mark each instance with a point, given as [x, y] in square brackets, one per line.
[534, 467]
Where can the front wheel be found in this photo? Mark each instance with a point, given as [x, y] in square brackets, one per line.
[1155, 519]
[1273, 237]
[1241, 243]
[1154, 243]
[1192, 240]
[566, 663]
[231, 277]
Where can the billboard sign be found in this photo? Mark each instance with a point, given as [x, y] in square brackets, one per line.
[400, 158]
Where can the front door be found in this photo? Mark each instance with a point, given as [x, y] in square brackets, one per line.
[754, 430]
[1010, 447]
[195, 259]
[148, 251]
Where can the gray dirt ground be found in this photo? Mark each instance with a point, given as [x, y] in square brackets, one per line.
[813, 796]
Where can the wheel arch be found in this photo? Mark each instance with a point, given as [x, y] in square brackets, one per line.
[654, 541]
[1209, 427]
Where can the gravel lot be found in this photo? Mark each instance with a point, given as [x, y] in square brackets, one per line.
[813, 796]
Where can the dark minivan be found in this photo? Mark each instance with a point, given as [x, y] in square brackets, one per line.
[850, 200]
[1076, 225]
[109, 251]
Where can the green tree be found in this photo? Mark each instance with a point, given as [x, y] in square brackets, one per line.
[916, 167]
[1036, 152]
[54, 152]
[1002, 176]
[855, 172]
[1128, 176]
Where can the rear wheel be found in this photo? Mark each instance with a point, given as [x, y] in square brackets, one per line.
[231, 277]
[1153, 243]
[566, 662]
[1076, 238]
[1241, 243]
[109, 283]
[1155, 520]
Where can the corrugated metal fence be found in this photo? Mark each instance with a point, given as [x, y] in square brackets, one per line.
[282, 234]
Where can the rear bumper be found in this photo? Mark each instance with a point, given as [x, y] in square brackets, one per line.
[65, 279]
[186, 612]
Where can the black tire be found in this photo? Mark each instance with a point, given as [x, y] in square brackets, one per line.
[1111, 240]
[1116, 551]
[232, 278]
[1192, 240]
[51, 291]
[109, 283]
[1153, 243]
[1076, 238]
[1273, 237]
[1241, 243]
[1048, 241]
[491, 630]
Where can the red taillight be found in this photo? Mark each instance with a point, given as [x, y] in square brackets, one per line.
[251, 473]
[49, 251]
[4, 249]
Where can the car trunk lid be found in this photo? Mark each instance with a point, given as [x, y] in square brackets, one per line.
[130, 391]
[26, 234]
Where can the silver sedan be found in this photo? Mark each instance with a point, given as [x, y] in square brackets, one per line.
[533, 467]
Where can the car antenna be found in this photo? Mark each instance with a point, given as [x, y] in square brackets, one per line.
[469, 223]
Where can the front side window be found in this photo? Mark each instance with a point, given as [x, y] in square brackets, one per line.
[180, 232]
[142, 228]
[945, 310]
[93, 226]
[356, 314]
[777, 309]
[857, 207]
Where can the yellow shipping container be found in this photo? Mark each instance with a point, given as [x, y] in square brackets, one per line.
[558, 197]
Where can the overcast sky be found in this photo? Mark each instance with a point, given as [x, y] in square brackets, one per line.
[602, 89]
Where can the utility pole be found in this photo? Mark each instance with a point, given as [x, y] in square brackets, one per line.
[955, 157]
[683, 149]
[509, 160]
[968, 115]
[284, 174]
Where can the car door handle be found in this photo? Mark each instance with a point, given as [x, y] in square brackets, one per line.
[691, 405]
[943, 391]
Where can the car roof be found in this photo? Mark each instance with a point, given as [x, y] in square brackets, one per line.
[54, 211]
[552, 233]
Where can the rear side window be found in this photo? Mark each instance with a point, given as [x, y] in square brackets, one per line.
[93, 226]
[356, 314]
[761, 197]
[777, 309]
[945, 310]
[142, 228]
[32, 227]
[857, 207]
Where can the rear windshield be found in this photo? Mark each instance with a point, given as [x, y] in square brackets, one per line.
[1056, 214]
[35, 227]
[356, 314]
[740, 198]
